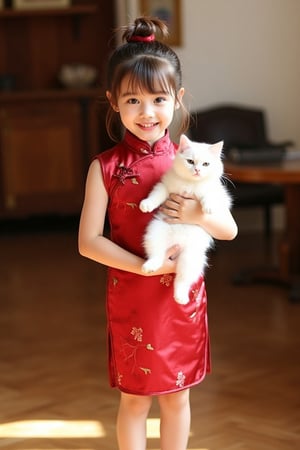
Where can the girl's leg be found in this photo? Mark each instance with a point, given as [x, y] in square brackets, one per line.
[175, 420]
[131, 421]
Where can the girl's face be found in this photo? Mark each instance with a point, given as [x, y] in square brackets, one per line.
[145, 114]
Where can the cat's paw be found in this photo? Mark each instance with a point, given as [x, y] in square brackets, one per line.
[146, 205]
[151, 265]
[181, 296]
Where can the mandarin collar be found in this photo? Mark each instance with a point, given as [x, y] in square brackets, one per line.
[144, 148]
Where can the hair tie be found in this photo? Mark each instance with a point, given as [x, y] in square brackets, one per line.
[136, 38]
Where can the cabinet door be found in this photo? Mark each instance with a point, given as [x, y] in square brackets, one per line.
[41, 158]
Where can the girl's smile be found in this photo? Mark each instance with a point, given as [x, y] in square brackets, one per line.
[147, 126]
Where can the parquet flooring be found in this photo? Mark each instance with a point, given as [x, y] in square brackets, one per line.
[54, 391]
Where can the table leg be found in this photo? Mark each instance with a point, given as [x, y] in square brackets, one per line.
[292, 239]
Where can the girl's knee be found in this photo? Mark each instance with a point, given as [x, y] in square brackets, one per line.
[136, 404]
[175, 401]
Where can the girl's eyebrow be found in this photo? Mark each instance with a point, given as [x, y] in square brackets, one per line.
[126, 94]
[133, 94]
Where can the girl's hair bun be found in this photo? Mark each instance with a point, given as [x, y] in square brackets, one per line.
[144, 29]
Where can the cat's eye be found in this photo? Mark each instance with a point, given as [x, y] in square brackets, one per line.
[205, 164]
[190, 161]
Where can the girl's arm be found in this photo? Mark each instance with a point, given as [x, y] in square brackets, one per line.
[91, 241]
[219, 225]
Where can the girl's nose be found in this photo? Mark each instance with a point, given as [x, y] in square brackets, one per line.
[146, 110]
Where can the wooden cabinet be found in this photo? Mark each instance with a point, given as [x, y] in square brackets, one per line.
[48, 134]
[42, 168]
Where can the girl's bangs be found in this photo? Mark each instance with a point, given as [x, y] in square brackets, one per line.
[152, 75]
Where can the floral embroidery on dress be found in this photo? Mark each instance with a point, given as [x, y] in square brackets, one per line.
[145, 370]
[123, 172]
[130, 350]
[197, 297]
[137, 333]
[115, 281]
[166, 279]
[180, 379]
[132, 205]
[120, 376]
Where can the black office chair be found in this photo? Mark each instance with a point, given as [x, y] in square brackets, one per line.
[241, 129]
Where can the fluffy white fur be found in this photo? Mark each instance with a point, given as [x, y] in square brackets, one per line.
[197, 169]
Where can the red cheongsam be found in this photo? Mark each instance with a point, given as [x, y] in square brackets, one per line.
[156, 346]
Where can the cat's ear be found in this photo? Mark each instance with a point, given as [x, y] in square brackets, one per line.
[217, 148]
[184, 142]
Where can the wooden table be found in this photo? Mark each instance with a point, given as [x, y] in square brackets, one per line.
[288, 174]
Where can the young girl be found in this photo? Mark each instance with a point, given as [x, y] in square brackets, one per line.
[157, 347]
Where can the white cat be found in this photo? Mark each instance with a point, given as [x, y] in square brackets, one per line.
[197, 170]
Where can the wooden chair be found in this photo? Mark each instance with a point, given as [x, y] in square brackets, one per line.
[240, 128]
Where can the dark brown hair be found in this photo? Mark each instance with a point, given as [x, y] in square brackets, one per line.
[146, 62]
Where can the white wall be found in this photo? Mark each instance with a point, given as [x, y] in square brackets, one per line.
[245, 51]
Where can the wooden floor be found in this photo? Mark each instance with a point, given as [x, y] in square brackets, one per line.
[54, 392]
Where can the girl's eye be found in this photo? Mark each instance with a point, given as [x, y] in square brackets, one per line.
[190, 161]
[160, 99]
[205, 164]
[132, 101]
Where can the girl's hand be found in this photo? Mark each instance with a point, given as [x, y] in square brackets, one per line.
[172, 253]
[187, 209]
[170, 262]
[182, 209]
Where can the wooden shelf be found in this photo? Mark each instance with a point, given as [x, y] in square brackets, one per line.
[49, 94]
[42, 123]
[76, 10]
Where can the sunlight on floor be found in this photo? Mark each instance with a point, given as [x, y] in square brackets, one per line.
[45, 429]
[153, 428]
[52, 429]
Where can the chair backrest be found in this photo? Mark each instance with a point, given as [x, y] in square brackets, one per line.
[237, 126]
